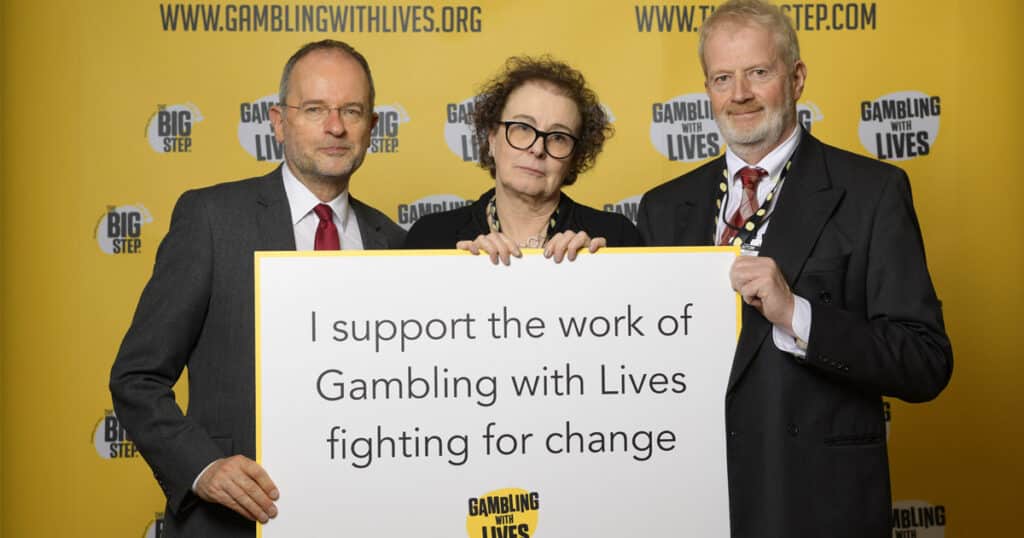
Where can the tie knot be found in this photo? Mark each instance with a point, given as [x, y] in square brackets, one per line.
[751, 176]
[323, 211]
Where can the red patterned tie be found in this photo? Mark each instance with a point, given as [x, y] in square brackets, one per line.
[326, 232]
[750, 176]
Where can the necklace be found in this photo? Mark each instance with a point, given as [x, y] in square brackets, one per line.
[536, 240]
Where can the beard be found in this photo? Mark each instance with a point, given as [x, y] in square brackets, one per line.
[309, 166]
[764, 135]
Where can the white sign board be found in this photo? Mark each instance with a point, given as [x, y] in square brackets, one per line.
[433, 394]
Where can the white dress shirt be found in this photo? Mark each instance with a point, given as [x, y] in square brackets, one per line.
[304, 221]
[773, 163]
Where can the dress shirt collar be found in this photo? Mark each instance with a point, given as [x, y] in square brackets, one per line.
[302, 201]
[773, 162]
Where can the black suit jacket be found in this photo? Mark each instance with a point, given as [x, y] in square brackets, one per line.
[198, 311]
[806, 446]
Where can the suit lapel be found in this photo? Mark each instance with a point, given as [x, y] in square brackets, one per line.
[370, 227]
[806, 202]
[695, 216]
[273, 215]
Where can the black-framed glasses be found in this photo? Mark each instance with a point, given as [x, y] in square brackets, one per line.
[557, 144]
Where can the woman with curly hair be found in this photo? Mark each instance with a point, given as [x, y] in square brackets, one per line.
[539, 127]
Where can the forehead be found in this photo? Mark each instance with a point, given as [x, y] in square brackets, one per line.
[544, 102]
[329, 75]
[737, 45]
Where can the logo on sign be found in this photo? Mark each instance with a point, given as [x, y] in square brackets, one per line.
[119, 230]
[808, 114]
[626, 207]
[503, 513]
[918, 519]
[683, 128]
[384, 138]
[458, 130]
[255, 132]
[409, 213]
[111, 440]
[900, 126]
[170, 129]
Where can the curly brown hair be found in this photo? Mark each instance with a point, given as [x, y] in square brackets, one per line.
[489, 104]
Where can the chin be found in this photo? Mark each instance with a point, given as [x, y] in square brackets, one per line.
[752, 136]
[338, 169]
[536, 192]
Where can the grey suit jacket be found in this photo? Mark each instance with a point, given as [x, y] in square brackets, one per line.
[198, 311]
[806, 446]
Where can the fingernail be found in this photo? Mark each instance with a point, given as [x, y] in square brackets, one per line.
[273, 511]
[274, 494]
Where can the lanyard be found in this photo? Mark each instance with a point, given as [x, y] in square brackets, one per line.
[748, 231]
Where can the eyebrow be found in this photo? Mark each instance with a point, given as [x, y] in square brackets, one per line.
[763, 65]
[533, 121]
[323, 102]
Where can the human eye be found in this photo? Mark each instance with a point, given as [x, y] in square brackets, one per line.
[760, 74]
[314, 111]
[721, 81]
[352, 112]
[521, 129]
[559, 138]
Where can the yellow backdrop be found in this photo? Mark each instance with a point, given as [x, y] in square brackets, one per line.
[110, 109]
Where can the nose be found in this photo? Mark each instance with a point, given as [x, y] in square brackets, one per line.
[537, 148]
[741, 89]
[333, 124]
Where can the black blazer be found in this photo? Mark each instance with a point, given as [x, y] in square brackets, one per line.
[198, 311]
[806, 436]
[443, 230]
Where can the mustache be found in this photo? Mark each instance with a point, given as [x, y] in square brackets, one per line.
[743, 110]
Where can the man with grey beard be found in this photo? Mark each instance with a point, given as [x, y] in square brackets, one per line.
[839, 308]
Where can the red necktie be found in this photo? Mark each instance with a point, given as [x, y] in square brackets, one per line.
[748, 204]
[326, 232]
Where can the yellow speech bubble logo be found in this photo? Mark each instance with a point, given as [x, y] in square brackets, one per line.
[503, 513]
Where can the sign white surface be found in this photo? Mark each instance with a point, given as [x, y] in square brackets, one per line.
[433, 394]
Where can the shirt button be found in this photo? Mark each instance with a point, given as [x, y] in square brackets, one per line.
[825, 297]
[793, 429]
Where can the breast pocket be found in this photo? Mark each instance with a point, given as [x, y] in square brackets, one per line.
[823, 280]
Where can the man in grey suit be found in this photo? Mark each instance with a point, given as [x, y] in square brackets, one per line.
[198, 308]
[839, 306]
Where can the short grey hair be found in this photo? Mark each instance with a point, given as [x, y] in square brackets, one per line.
[757, 12]
[326, 44]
